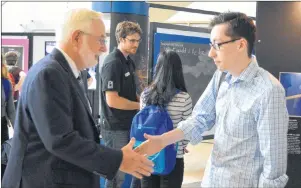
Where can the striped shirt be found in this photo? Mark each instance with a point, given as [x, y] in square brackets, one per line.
[251, 119]
[179, 109]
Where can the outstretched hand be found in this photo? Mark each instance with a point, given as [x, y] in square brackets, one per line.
[152, 145]
[134, 163]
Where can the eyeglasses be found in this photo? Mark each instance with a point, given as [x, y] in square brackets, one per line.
[100, 40]
[133, 41]
[217, 46]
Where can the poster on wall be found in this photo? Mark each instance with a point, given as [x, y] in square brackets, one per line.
[49, 45]
[198, 68]
[20, 46]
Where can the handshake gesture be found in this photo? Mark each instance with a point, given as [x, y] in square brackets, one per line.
[151, 146]
[135, 162]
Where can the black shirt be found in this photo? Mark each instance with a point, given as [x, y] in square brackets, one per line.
[117, 74]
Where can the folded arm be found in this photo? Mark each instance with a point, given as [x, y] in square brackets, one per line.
[115, 101]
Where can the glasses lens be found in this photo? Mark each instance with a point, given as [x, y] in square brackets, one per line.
[102, 41]
[214, 46]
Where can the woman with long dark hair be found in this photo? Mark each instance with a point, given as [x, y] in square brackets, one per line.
[168, 90]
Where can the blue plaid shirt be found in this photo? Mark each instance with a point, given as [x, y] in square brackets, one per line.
[250, 142]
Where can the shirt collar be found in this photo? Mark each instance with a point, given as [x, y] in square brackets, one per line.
[248, 73]
[123, 58]
[70, 62]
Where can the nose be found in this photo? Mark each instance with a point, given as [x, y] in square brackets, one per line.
[212, 53]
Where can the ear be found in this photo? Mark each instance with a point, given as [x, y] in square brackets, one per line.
[76, 38]
[121, 40]
[243, 44]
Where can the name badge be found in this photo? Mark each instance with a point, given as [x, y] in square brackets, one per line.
[127, 74]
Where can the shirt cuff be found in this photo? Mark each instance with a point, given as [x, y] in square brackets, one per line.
[190, 130]
[274, 183]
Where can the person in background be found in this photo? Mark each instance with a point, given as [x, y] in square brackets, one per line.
[56, 142]
[15, 74]
[169, 91]
[7, 106]
[119, 101]
[89, 78]
[248, 108]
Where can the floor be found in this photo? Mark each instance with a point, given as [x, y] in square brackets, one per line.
[195, 163]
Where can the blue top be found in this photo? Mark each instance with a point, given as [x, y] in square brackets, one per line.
[7, 102]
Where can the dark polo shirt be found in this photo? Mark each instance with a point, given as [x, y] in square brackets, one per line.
[117, 74]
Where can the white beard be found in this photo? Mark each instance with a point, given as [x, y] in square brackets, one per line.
[87, 56]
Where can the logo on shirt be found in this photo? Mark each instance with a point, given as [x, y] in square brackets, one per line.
[110, 84]
[127, 74]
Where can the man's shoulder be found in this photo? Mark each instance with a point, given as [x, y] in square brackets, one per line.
[46, 66]
[267, 81]
[112, 57]
[46, 62]
[112, 62]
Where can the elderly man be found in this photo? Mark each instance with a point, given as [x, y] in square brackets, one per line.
[56, 143]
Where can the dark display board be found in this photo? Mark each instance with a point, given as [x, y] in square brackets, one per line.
[291, 82]
[282, 57]
[198, 68]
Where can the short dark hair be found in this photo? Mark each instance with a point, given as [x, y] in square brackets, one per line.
[239, 25]
[168, 79]
[11, 58]
[125, 28]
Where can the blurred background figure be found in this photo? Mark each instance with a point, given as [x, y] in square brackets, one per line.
[7, 107]
[15, 74]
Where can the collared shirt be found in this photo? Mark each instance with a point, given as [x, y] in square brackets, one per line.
[251, 119]
[70, 62]
[75, 71]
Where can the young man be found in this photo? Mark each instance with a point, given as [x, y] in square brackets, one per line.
[248, 109]
[56, 143]
[119, 101]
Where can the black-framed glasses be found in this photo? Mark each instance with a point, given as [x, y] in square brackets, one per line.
[100, 39]
[217, 46]
[133, 41]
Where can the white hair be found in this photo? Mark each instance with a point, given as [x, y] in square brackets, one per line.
[75, 19]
